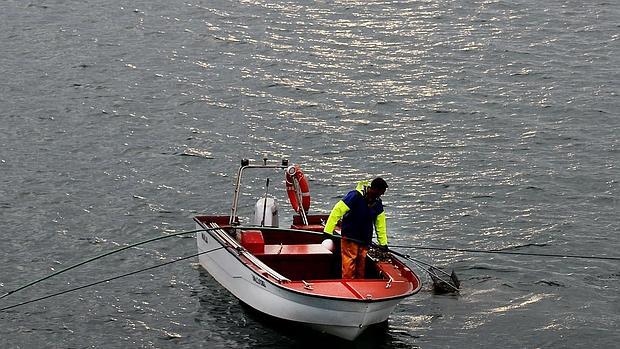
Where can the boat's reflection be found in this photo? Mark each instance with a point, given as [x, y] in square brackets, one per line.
[221, 311]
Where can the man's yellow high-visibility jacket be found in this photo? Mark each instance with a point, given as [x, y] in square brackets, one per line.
[359, 218]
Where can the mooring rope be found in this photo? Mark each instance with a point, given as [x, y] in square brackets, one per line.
[430, 271]
[109, 279]
[104, 255]
[469, 250]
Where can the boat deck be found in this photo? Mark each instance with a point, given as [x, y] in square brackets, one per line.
[395, 284]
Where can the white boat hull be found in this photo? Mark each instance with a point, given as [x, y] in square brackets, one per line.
[343, 318]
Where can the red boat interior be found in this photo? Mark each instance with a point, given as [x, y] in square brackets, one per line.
[302, 258]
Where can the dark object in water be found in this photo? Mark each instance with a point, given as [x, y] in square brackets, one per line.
[440, 285]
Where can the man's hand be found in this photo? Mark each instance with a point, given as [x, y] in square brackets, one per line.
[384, 252]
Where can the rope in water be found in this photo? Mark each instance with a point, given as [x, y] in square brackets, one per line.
[107, 280]
[104, 255]
[421, 264]
[469, 250]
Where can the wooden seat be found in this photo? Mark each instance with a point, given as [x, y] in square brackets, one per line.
[296, 250]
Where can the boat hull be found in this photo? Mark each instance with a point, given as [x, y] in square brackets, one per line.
[344, 318]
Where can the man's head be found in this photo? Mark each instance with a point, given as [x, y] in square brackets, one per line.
[377, 188]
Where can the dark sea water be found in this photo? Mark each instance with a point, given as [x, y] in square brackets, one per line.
[496, 124]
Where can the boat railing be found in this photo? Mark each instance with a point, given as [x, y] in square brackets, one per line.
[245, 164]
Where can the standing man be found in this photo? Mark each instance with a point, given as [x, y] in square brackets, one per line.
[361, 212]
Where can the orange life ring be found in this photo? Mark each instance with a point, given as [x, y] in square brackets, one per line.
[294, 174]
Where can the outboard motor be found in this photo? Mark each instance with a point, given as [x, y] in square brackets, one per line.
[266, 212]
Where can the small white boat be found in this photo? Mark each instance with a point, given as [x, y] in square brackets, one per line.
[293, 273]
